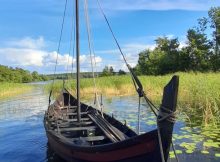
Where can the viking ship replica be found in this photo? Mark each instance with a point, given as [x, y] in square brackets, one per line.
[79, 132]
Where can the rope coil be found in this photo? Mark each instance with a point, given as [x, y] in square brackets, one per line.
[166, 114]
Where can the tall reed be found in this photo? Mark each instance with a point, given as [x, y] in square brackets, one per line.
[11, 89]
[198, 92]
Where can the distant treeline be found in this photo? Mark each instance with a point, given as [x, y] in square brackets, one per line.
[19, 75]
[71, 75]
[107, 71]
[200, 53]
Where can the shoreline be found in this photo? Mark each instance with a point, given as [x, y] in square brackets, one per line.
[13, 89]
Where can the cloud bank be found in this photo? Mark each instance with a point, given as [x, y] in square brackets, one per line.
[30, 54]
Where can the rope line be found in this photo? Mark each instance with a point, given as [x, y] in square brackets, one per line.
[58, 48]
[139, 114]
[174, 150]
[109, 26]
[72, 41]
[152, 106]
[139, 88]
[160, 143]
[91, 51]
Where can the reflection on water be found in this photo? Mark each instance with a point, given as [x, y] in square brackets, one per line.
[23, 139]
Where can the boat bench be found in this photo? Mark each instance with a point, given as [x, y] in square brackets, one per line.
[73, 114]
[68, 124]
[74, 120]
[77, 129]
[90, 139]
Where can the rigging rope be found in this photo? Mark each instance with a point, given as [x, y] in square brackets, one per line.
[137, 84]
[91, 50]
[136, 81]
[109, 26]
[139, 113]
[160, 142]
[72, 45]
[72, 40]
[174, 150]
[58, 48]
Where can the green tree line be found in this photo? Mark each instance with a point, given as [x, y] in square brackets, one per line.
[19, 75]
[109, 71]
[200, 53]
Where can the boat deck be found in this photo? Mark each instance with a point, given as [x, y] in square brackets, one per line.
[92, 130]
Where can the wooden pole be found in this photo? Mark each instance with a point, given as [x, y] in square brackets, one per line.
[78, 62]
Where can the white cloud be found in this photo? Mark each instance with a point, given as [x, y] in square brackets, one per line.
[23, 57]
[130, 50]
[27, 43]
[66, 60]
[197, 5]
[29, 53]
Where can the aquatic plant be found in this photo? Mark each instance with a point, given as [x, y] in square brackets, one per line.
[11, 89]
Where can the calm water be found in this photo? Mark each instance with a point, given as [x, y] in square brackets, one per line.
[23, 139]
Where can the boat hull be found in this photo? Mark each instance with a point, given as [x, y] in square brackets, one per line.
[126, 146]
[143, 148]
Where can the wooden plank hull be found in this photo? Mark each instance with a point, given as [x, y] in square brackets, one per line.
[143, 148]
[118, 142]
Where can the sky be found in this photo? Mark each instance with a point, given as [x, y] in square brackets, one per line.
[30, 30]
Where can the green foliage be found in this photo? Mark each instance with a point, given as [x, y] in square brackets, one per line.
[199, 51]
[107, 71]
[18, 75]
[121, 72]
[163, 59]
[199, 54]
[214, 18]
[35, 76]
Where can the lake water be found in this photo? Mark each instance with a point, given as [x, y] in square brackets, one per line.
[23, 139]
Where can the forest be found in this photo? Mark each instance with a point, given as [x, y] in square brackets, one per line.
[19, 75]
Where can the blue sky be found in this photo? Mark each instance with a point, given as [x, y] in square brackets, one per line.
[29, 30]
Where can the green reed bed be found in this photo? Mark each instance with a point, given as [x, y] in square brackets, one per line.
[12, 89]
[198, 92]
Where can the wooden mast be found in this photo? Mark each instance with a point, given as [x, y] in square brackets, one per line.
[78, 62]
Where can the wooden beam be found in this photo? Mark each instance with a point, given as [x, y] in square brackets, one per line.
[77, 129]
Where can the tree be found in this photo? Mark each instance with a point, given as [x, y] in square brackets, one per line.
[35, 76]
[143, 66]
[107, 71]
[163, 59]
[45, 78]
[19, 75]
[198, 50]
[214, 16]
[111, 70]
[199, 54]
[121, 72]
[168, 49]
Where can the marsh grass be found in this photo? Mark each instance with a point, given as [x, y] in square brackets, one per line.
[12, 89]
[199, 93]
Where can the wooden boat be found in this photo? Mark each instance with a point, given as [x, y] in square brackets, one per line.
[79, 132]
[98, 138]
